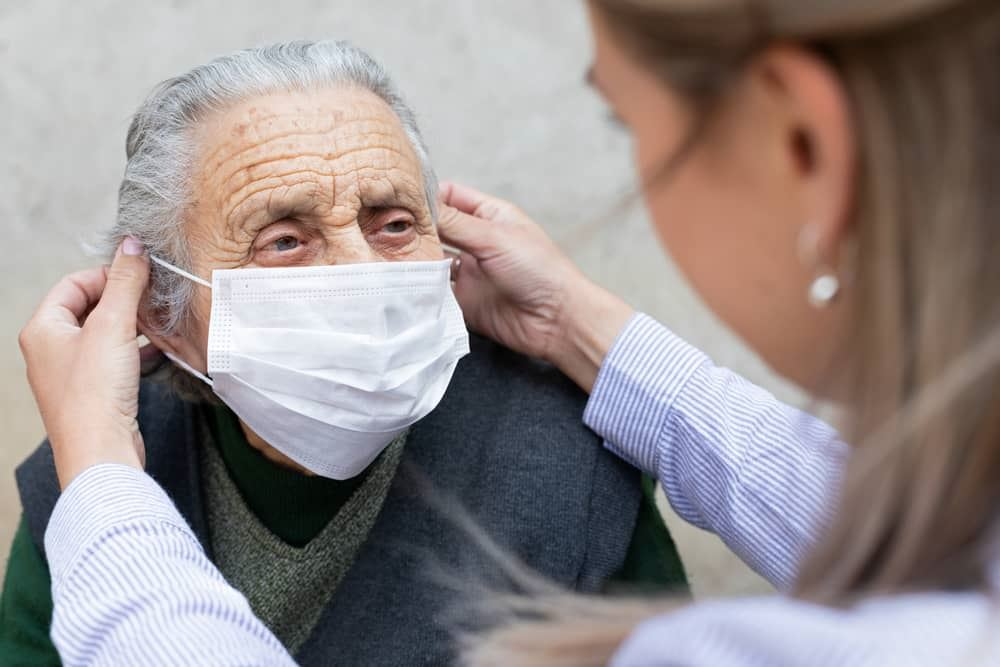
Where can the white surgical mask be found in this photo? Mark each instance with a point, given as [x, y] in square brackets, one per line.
[328, 364]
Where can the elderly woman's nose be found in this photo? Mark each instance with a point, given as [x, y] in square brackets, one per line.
[351, 248]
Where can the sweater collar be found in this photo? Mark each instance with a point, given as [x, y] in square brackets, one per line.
[293, 506]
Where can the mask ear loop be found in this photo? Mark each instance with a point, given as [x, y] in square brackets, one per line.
[183, 364]
[181, 272]
[190, 276]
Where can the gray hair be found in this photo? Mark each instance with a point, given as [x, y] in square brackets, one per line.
[155, 190]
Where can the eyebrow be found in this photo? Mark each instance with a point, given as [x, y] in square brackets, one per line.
[256, 211]
[301, 204]
[398, 197]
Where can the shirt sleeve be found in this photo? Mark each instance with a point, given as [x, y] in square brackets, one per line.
[131, 585]
[732, 459]
[915, 630]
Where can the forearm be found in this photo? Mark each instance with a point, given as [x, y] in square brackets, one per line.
[732, 459]
[589, 322]
[132, 585]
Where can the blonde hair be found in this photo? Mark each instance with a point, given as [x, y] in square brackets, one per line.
[921, 491]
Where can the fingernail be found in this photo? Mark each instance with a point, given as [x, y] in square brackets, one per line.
[131, 246]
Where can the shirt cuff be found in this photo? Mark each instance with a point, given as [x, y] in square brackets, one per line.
[99, 502]
[641, 377]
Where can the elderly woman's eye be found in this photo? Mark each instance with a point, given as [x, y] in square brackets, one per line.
[286, 243]
[398, 226]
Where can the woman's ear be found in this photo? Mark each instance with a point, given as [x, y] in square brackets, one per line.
[175, 345]
[818, 141]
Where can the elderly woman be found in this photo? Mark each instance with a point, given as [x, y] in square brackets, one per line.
[286, 197]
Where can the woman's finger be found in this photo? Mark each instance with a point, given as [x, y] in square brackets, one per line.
[465, 232]
[471, 201]
[73, 297]
[462, 197]
[127, 279]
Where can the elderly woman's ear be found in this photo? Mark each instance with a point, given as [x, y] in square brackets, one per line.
[151, 357]
[178, 346]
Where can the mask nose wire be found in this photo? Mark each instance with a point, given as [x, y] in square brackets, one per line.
[190, 276]
[181, 272]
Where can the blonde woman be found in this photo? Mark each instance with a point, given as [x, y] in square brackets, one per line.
[824, 172]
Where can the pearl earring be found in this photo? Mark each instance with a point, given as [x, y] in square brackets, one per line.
[824, 290]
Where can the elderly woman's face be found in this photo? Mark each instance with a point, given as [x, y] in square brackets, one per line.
[304, 179]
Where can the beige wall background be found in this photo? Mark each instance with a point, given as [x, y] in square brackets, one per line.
[498, 87]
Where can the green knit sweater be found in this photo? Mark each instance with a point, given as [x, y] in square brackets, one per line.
[295, 508]
[288, 587]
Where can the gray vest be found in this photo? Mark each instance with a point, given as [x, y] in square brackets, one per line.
[506, 445]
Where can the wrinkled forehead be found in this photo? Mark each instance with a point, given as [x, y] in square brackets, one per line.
[310, 152]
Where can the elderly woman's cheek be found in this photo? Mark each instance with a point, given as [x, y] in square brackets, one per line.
[431, 246]
[411, 243]
[427, 246]
[195, 330]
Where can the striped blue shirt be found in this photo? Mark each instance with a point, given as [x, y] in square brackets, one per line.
[132, 585]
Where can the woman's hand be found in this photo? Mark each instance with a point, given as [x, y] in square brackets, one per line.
[517, 287]
[82, 356]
